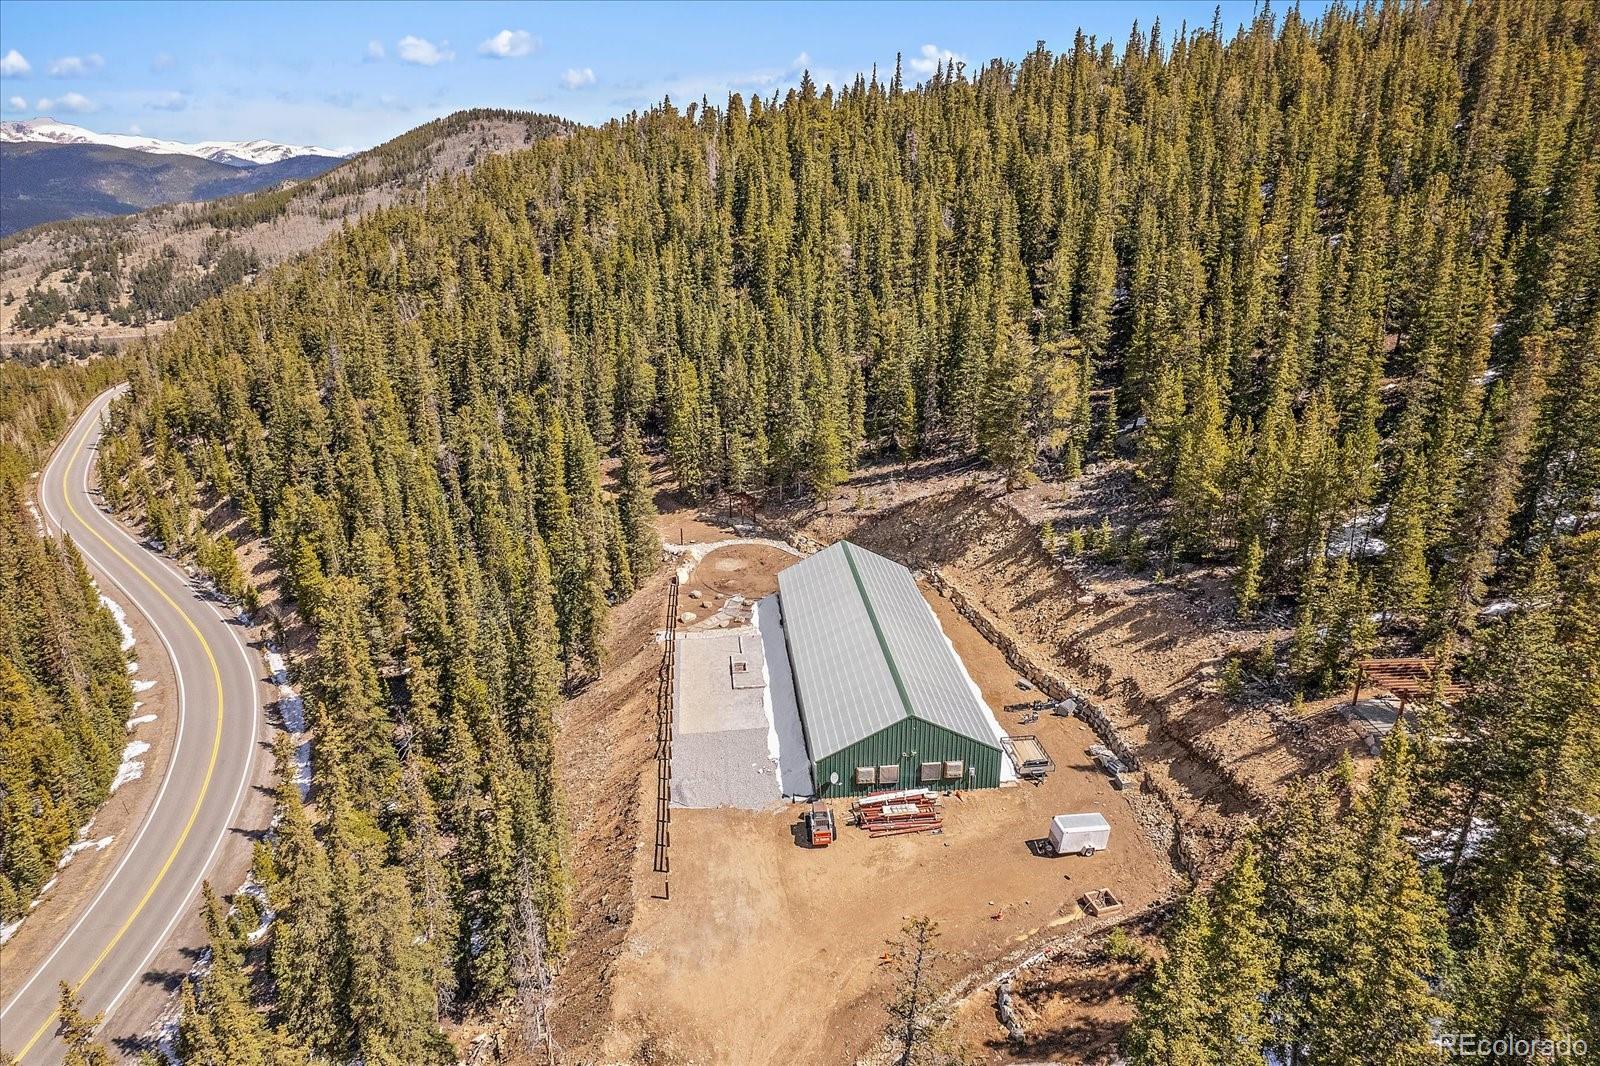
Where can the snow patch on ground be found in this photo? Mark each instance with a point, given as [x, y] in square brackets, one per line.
[255, 891]
[132, 767]
[122, 619]
[9, 930]
[143, 686]
[138, 720]
[1357, 538]
[83, 845]
[133, 666]
[1441, 844]
[292, 709]
[1499, 607]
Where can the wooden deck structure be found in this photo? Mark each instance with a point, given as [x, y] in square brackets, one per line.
[1413, 680]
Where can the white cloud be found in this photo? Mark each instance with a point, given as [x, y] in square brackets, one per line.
[14, 65]
[510, 44]
[933, 58]
[17, 103]
[77, 103]
[170, 100]
[375, 50]
[577, 77]
[76, 66]
[422, 52]
[134, 128]
[163, 61]
[801, 61]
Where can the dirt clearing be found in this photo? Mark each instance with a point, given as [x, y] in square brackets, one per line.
[770, 952]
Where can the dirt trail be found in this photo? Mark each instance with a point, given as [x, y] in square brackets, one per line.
[605, 746]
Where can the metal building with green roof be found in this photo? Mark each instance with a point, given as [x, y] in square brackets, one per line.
[884, 701]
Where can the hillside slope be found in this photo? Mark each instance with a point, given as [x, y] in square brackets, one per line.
[1323, 297]
[47, 182]
[104, 280]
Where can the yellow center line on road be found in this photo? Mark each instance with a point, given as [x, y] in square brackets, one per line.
[211, 766]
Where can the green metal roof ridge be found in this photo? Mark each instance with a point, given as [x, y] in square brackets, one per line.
[877, 631]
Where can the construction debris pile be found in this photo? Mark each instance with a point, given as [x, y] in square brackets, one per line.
[887, 814]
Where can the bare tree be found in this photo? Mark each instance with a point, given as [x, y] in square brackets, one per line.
[530, 973]
[915, 1016]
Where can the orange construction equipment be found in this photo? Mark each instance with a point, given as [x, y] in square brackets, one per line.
[819, 826]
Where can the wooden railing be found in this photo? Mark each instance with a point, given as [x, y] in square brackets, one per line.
[664, 685]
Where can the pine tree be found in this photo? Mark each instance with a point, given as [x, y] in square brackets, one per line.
[309, 958]
[1514, 979]
[1197, 489]
[637, 507]
[1171, 1026]
[1004, 434]
[1406, 578]
[1395, 949]
[1247, 581]
[1240, 965]
[915, 1017]
[77, 1032]
[1108, 426]
[219, 1026]
[344, 701]
[392, 1003]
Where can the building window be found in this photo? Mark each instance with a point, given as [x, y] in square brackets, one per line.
[866, 775]
[889, 775]
[954, 769]
[930, 771]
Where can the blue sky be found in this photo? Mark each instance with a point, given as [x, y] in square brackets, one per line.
[352, 75]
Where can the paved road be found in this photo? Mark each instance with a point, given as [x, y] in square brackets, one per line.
[108, 946]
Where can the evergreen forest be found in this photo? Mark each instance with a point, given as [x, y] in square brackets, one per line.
[64, 692]
[1309, 277]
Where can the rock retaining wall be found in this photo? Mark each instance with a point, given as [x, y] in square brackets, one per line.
[1042, 678]
[1056, 687]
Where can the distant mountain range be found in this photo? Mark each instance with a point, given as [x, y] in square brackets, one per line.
[76, 282]
[50, 182]
[53, 170]
[234, 153]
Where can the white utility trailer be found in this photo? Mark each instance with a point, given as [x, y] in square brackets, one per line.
[1079, 834]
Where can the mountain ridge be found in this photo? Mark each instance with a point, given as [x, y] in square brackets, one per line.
[250, 153]
[47, 182]
[80, 284]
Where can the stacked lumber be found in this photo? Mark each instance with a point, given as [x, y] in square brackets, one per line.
[888, 814]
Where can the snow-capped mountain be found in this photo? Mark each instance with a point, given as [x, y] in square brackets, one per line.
[233, 153]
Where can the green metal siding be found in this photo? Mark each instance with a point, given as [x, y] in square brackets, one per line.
[918, 742]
